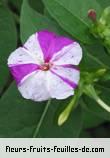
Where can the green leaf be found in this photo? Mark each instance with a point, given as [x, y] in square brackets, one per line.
[72, 16]
[104, 3]
[16, 4]
[20, 117]
[90, 62]
[8, 40]
[94, 58]
[98, 52]
[91, 120]
[32, 21]
[37, 5]
[90, 105]
[85, 134]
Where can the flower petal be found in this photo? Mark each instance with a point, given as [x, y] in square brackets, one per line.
[22, 70]
[51, 43]
[34, 87]
[70, 54]
[57, 87]
[69, 73]
[20, 56]
[62, 81]
[33, 47]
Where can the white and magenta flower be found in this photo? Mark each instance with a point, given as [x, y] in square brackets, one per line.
[45, 67]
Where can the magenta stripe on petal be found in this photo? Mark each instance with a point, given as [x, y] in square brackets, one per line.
[22, 70]
[69, 82]
[51, 43]
[69, 66]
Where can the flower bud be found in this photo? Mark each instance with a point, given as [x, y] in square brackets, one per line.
[101, 27]
[92, 15]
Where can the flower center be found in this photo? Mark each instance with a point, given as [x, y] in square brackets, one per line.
[45, 66]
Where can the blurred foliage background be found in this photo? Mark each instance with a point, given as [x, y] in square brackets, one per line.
[19, 117]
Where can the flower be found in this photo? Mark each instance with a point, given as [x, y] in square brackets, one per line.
[45, 66]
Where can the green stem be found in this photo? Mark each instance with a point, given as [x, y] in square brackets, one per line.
[90, 91]
[102, 104]
[41, 119]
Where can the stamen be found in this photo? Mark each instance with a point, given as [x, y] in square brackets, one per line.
[45, 66]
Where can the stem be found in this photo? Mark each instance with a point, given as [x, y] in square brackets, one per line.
[103, 105]
[41, 119]
[90, 91]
